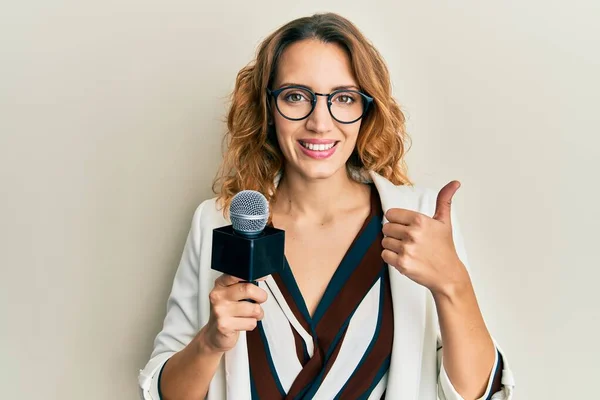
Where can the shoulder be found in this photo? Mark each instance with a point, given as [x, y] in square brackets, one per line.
[209, 214]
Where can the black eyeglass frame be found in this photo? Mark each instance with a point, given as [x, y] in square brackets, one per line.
[276, 93]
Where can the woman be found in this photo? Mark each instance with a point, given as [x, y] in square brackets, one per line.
[376, 272]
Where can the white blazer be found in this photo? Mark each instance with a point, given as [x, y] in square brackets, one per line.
[416, 370]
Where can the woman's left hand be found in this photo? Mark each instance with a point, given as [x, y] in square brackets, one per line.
[422, 248]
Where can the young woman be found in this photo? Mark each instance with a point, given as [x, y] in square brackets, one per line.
[375, 300]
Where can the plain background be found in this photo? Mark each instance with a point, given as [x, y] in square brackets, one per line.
[110, 131]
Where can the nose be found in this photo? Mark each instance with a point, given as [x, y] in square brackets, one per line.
[320, 120]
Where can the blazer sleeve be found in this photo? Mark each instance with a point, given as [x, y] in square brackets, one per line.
[446, 390]
[181, 321]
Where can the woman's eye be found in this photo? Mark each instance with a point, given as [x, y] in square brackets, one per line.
[294, 97]
[345, 99]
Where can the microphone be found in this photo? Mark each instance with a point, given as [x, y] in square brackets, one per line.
[248, 249]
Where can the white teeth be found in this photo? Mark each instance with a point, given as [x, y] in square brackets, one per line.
[318, 147]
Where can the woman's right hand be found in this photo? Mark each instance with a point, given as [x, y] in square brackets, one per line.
[229, 314]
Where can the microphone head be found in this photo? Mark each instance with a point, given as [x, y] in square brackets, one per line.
[249, 212]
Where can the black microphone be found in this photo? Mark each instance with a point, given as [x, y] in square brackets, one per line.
[248, 249]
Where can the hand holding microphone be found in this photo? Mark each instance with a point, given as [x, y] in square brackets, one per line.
[245, 252]
[229, 315]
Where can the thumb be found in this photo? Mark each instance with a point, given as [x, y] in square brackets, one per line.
[444, 202]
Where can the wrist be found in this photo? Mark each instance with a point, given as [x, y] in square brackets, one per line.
[203, 346]
[454, 292]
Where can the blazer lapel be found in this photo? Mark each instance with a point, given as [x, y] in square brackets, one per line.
[408, 299]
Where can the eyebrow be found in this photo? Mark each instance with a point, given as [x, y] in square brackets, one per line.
[308, 87]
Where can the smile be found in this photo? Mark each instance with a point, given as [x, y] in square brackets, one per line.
[317, 147]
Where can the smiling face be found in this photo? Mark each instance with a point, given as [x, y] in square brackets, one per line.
[306, 144]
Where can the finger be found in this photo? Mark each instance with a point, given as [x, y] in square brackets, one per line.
[444, 202]
[400, 216]
[244, 309]
[227, 326]
[397, 262]
[395, 245]
[242, 291]
[244, 324]
[389, 257]
[226, 280]
[396, 231]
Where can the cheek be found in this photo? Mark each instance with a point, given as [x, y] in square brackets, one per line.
[284, 131]
[352, 135]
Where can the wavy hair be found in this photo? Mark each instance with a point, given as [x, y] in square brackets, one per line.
[253, 159]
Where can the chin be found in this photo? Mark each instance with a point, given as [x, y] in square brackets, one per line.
[320, 172]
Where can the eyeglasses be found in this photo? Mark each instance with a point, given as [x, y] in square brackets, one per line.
[298, 102]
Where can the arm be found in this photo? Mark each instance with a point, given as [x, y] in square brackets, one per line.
[178, 341]
[468, 354]
[430, 251]
[471, 364]
[188, 373]
[186, 358]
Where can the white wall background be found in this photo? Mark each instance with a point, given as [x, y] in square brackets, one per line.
[110, 129]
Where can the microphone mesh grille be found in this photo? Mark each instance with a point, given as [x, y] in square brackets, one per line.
[249, 211]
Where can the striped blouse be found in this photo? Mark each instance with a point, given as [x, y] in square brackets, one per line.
[343, 350]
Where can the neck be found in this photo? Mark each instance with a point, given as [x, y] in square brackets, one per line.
[317, 199]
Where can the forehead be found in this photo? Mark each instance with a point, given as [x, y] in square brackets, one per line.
[320, 66]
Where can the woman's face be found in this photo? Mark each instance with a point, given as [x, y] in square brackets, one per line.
[322, 68]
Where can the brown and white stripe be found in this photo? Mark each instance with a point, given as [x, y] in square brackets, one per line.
[341, 352]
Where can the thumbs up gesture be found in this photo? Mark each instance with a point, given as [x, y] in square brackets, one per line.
[422, 248]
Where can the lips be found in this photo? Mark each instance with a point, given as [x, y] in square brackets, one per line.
[318, 151]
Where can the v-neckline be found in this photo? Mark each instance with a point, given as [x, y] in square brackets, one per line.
[345, 268]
